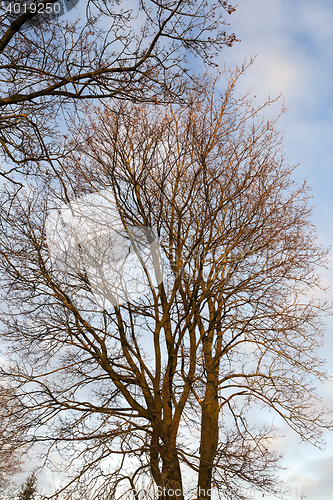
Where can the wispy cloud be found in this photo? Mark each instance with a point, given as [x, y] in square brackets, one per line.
[293, 45]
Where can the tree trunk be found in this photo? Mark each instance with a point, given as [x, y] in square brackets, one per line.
[171, 473]
[209, 436]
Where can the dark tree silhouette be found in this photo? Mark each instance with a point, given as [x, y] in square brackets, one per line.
[28, 489]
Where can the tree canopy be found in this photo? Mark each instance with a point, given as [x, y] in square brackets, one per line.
[48, 65]
[159, 287]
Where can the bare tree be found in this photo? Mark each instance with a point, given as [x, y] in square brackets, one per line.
[119, 51]
[10, 438]
[157, 388]
[28, 489]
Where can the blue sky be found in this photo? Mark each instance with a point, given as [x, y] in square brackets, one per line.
[293, 44]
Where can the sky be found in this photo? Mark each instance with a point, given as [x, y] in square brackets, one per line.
[293, 44]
